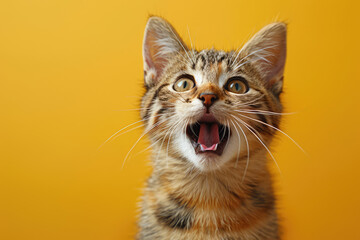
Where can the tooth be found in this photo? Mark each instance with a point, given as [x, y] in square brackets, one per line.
[215, 147]
[202, 148]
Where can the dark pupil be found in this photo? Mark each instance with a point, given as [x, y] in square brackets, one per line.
[185, 84]
[237, 86]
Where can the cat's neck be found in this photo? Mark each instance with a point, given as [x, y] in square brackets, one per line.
[209, 201]
[236, 178]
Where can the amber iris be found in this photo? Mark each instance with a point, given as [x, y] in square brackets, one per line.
[237, 85]
[183, 84]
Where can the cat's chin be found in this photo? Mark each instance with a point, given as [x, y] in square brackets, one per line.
[209, 162]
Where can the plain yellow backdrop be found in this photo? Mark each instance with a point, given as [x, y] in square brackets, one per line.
[70, 69]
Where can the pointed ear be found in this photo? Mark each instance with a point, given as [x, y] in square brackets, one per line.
[267, 52]
[161, 42]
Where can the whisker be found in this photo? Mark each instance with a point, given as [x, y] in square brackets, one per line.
[223, 135]
[192, 130]
[168, 142]
[185, 125]
[149, 147]
[131, 109]
[252, 53]
[129, 130]
[227, 141]
[238, 151]
[267, 149]
[255, 131]
[118, 133]
[233, 62]
[162, 143]
[271, 126]
[159, 53]
[240, 65]
[177, 39]
[263, 58]
[242, 48]
[248, 151]
[191, 44]
[251, 101]
[112, 136]
[142, 135]
[263, 112]
[250, 60]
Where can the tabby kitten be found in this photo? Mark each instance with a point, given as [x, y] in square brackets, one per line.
[210, 116]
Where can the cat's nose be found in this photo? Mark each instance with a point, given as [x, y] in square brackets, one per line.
[208, 98]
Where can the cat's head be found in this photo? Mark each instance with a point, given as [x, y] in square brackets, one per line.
[207, 108]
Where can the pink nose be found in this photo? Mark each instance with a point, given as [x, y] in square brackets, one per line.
[208, 99]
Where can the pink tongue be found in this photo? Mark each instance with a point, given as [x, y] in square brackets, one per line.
[209, 136]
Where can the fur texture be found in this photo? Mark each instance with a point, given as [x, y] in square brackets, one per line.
[204, 195]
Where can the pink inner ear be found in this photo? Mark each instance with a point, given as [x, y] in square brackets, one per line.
[150, 50]
[147, 58]
[152, 59]
[160, 42]
[276, 65]
[269, 44]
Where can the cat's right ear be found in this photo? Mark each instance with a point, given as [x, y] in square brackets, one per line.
[160, 43]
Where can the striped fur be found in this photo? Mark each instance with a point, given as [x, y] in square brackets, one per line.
[197, 196]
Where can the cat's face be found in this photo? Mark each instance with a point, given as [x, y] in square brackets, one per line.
[211, 107]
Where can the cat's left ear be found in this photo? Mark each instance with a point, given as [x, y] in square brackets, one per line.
[161, 42]
[267, 52]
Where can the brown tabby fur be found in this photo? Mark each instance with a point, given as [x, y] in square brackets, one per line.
[211, 197]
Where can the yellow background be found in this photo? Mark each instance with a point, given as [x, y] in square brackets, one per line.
[69, 68]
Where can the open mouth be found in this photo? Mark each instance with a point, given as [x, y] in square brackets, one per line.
[208, 135]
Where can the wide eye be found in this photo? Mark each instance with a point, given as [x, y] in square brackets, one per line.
[184, 83]
[237, 85]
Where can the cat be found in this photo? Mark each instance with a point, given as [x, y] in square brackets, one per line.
[210, 116]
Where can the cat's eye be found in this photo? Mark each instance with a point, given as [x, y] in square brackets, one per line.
[237, 85]
[184, 83]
